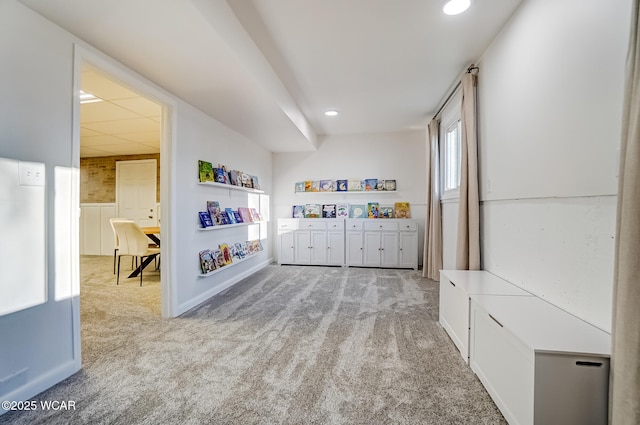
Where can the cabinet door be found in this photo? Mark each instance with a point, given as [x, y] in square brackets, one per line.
[389, 249]
[302, 245]
[335, 248]
[355, 249]
[409, 250]
[372, 249]
[318, 250]
[286, 252]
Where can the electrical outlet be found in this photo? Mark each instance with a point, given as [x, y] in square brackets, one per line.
[31, 173]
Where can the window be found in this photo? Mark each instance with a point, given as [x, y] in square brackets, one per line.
[452, 158]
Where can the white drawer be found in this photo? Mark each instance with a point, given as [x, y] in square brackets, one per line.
[354, 225]
[287, 225]
[335, 225]
[380, 224]
[409, 226]
[312, 225]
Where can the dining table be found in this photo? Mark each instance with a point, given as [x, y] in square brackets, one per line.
[153, 233]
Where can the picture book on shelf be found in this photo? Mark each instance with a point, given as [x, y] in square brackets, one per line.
[386, 211]
[220, 175]
[236, 216]
[205, 171]
[326, 186]
[205, 219]
[246, 180]
[370, 184]
[341, 185]
[245, 214]
[231, 216]
[389, 185]
[215, 211]
[354, 185]
[298, 211]
[402, 210]
[329, 211]
[357, 211]
[308, 185]
[226, 254]
[254, 182]
[239, 251]
[373, 209]
[234, 178]
[380, 185]
[312, 211]
[255, 215]
[207, 262]
[218, 257]
[315, 186]
[342, 210]
[299, 187]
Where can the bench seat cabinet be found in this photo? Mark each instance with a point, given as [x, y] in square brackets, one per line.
[311, 241]
[456, 289]
[541, 365]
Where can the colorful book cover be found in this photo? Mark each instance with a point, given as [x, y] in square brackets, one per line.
[315, 186]
[245, 214]
[329, 211]
[246, 180]
[216, 212]
[402, 210]
[380, 185]
[389, 185]
[220, 175]
[254, 182]
[236, 216]
[218, 257]
[308, 186]
[386, 211]
[234, 178]
[207, 262]
[232, 217]
[255, 215]
[226, 254]
[342, 210]
[205, 171]
[326, 185]
[299, 187]
[312, 211]
[205, 219]
[354, 185]
[298, 211]
[370, 184]
[357, 211]
[373, 209]
[341, 185]
[239, 251]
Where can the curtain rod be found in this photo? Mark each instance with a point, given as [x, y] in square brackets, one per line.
[469, 70]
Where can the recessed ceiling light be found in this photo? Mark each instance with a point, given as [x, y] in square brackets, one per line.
[455, 7]
[331, 113]
[88, 97]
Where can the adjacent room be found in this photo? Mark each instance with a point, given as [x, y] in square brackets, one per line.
[274, 211]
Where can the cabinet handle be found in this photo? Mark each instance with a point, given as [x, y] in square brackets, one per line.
[494, 319]
[452, 284]
[590, 364]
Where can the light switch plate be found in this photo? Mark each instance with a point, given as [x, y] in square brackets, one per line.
[31, 173]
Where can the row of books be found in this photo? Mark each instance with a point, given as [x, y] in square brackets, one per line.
[208, 173]
[218, 216]
[213, 259]
[348, 185]
[370, 210]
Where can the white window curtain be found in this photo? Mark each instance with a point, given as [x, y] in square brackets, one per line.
[468, 243]
[432, 260]
[624, 397]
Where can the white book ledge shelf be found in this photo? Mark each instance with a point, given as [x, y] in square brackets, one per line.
[228, 226]
[228, 266]
[231, 187]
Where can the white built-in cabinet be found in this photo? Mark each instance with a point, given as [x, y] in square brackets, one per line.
[352, 242]
[311, 241]
[540, 364]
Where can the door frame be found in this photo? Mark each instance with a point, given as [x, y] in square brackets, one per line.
[85, 54]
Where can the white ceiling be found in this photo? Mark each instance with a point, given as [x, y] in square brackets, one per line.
[270, 68]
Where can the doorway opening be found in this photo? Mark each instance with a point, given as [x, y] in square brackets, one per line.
[120, 133]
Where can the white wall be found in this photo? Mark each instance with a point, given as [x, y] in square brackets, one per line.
[37, 347]
[40, 345]
[400, 156]
[550, 100]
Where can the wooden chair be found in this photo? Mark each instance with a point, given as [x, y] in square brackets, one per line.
[132, 241]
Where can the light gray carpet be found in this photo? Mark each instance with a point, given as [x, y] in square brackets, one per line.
[288, 345]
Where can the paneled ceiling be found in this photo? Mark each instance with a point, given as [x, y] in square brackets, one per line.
[119, 121]
[270, 68]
